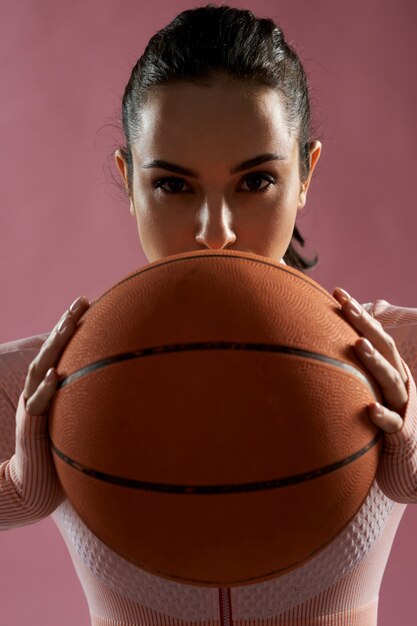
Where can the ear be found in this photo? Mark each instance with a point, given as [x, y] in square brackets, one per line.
[122, 167]
[315, 151]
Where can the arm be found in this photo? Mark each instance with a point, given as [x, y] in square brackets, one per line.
[15, 357]
[25, 488]
[29, 486]
[29, 489]
[397, 472]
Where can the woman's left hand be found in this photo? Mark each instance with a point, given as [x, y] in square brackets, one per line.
[384, 363]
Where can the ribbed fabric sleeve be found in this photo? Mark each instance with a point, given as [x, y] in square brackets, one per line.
[397, 470]
[29, 489]
[29, 486]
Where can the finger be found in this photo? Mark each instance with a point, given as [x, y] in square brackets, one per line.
[76, 310]
[39, 402]
[388, 420]
[388, 377]
[343, 296]
[54, 345]
[370, 328]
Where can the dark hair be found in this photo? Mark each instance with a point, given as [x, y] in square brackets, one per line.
[205, 42]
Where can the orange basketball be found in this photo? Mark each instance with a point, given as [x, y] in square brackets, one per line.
[210, 425]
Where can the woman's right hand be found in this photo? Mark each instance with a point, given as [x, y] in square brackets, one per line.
[29, 485]
[42, 379]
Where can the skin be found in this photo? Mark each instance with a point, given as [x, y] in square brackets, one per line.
[210, 130]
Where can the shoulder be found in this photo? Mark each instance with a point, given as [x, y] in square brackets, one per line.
[391, 315]
[27, 343]
[15, 358]
[401, 323]
[18, 353]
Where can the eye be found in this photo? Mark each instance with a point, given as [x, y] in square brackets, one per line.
[171, 180]
[177, 183]
[258, 176]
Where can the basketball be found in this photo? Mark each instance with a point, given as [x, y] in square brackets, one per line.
[210, 423]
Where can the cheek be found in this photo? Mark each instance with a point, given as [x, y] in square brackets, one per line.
[160, 231]
[146, 223]
[279, 227]
[291, 191]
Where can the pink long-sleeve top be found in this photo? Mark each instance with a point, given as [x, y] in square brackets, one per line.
[339, 586]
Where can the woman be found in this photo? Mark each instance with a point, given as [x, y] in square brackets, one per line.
[219, 155]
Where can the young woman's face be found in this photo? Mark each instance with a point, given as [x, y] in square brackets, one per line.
[215, 167]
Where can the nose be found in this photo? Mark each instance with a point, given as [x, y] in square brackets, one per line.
[214, 227]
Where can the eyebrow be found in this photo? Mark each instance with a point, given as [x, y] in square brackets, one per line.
[246, 165]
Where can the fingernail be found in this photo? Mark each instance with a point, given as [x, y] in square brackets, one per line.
[77, 304]
[354, 307]
[366, 346]
[377, 408]
[66, 322]
[50, 376]
[343, 292]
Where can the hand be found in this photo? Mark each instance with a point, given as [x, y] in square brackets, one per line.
[29, 485]
[384, 363]
[42, 379]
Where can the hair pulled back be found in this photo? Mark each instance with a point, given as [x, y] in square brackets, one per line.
[205, 42]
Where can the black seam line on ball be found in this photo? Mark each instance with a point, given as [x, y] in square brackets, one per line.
[283, 268]
[216, 489]
[212, 345]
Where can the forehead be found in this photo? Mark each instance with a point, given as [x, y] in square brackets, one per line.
[226, 111]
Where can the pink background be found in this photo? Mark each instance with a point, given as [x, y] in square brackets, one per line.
[66, 230]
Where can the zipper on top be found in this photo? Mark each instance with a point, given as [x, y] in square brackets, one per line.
[225, 606]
